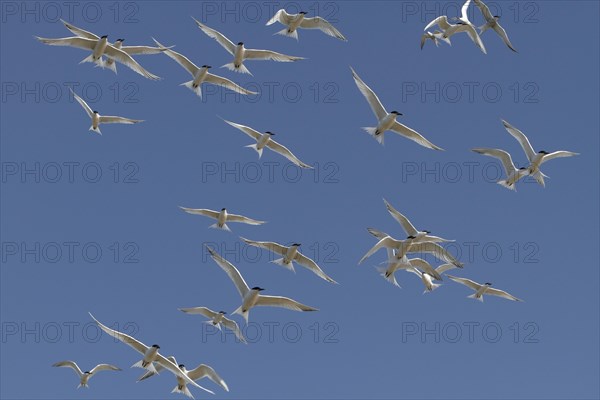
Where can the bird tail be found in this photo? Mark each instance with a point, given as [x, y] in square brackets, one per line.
[483, 28]
[190, 85]
[241, 69]
[209, 322]
[111, 64]
[539, 177]
[149, 367]
[373, 132]
[474, 296]
[84, 385]
[96, 129]
[90, 58]
[183, 390]
[433, 287]
[281, 261]
[504, 183]
[445, 39]
[224, 227]
[242, 313]
[255, 147]
[286, 32]
[391, 278]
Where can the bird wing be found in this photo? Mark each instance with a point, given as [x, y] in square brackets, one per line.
[440, 21]
[174, 368]
[70, 364]
[127, 60]
[271, 246]
[80, 32]
[204, 370]
[425, 267]
[464, 11]
[370, 95]
[243, 220]
[522, 139]
[385, 242]
[281, 16]
[411, 134]
[502, 33]
[284, 151]
[104, 367]
[199, 310]
[323, 25]
[132, 342]
[233, 326]
[470, 30]
[255, 54]
[201, 211]
[377, 233]
[311, 265]
[283, 302]
[218, 36]
[131, 50]
[219, 80]
[231, 271]
[444, 267]
[111, 119]
[507, 163]
[435, 249]
[85, 106]
[485, 11]
[75, 41]
[558, 154]
[158, 368]
[501, 293]
[180, 59]
[467, 282]
[246, 129]
[402, 220]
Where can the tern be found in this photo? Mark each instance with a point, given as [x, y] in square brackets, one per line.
[118, 44]
[420, 236]
[217, 319]
[99, 47]
[394, 264]
[492, 21]
[387, 121]
[449, 29]
[98, 119]
[251, 297]
[289, 255]
[480, 289]
[222, 217]
[201, 371]
[435, 37]
[295, 21]
[535, 159]
[151, 354]
[240, 53]
[201, 74]
[513, 175]
[464, 14]
[84, 377]
[426, 279]
[265, 140]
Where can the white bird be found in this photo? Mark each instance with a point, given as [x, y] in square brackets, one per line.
[480, 290]
[464, 13]
[84, 377]
[201, 371]
[118, 44]
[251, 297]
[295, 21]
[151, 355]
[535, 159]
[201, 75]
[217, 319]
[98, 119]
[492, 21]
[222, 217]
[387, 121]
[419, 236]
[513, 175]
[289, 255]
[449, 29]
[394, 264]
[435, 37]
[99, 47]
[426, 279]
[266, 140]
[240, 53]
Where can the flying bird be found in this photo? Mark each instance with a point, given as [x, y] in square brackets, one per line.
[151, 355]
[240, 53]
[98, 119]
[251, 297]
[201, 75]
[480, 289]
[289, 255]
[295, 21]
[201, 371]
[118, 44]
[535, 159]
[84, 377]
[99, 47]
[265, 140]
[217, 319]
[492, 21]
[464, 14]
[513, 175]
[426, 279]
[435, 37]
[449, 30]
[419, 236]
[222, 217]
[387, 121]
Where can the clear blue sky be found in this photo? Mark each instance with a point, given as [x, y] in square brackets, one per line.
[117, 245]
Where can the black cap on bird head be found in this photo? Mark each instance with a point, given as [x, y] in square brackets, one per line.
[103, 37]
[240, 43]
[258, 288]
[120, 40]
[395, 112]
[222, 312]
[303, 12]
[156, 346]
[270, 133]
[487, 284]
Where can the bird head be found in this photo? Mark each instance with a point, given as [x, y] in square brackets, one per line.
[181, 366]
[542, 152]
[86, 373]
[258, 289]
[487, 284]
[120, 40]
[269, 133]
[411, 237]
[303, 12]
[395, 113]
[496, 17]
[240, 43]
[156, 346]
[223, 209]
[103, 37]
[206, 66]
[222, 312]
[296, 244]
[427, 232]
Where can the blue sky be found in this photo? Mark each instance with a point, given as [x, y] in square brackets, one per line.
[91, 223]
